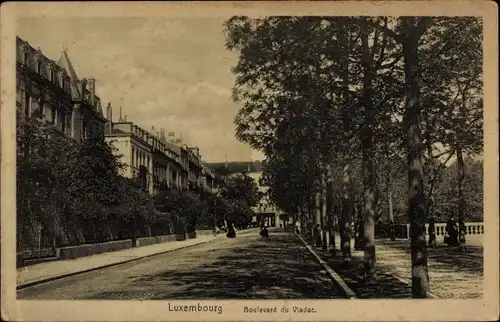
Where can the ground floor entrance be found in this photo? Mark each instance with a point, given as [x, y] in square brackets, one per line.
[267, 219]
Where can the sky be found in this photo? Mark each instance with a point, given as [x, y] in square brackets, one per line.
[171, 73]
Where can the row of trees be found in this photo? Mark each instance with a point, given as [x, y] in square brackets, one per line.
[343, 106]
[71, 192]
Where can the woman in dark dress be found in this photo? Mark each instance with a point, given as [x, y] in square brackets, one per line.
[451, 229]
[264, 232]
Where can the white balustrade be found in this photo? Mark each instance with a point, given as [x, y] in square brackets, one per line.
[471, 228]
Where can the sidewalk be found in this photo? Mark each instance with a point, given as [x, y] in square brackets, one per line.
[452, 274]
[38, 273]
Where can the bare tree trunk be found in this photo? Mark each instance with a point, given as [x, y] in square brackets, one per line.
[312, 214]
[368, 152]
[416, 203]
[391, 213]
[346, 212]
[330, 209]
[318, 219]
[360, 230]
[323, 204]
[461, 200]
[345, 229]
[369, 217]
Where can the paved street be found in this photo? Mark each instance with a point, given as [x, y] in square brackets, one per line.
[246, 267]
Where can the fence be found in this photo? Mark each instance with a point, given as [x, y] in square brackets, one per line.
[403, 230]
[471, 228]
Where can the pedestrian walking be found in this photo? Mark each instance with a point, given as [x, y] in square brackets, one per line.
[264, 232]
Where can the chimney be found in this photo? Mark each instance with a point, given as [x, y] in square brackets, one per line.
[91, 83]
[109, 112]
[162, 135]
[83, 86]
[109, 117]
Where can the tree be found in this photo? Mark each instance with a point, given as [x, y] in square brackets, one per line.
[73, 189]
[319, 92]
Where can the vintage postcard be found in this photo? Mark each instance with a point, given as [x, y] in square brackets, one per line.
[249, 161]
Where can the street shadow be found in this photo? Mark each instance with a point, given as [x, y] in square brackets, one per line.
[386, 286]
[274, 268]
[448, 258]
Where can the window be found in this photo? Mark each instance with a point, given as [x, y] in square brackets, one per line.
[68, 122]
[25, 58]
[53, 111]
[52, 75]
[133, 155]
[63, 122]
[29, 105]
[84, 130]
[19, 97]
[39, 66]
[47, 112]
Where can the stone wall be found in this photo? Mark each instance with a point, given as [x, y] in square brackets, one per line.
[92, 249]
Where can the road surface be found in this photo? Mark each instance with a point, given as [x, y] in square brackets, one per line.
[246, 267]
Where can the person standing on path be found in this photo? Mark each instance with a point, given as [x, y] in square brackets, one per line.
[432, 233]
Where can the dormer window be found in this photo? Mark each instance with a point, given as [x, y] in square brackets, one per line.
[25, 58]
[39, 66]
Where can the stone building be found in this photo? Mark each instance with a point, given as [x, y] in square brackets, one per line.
[166, 165]
[160, 161]
[195, 167]
[53, 91]
[132, 144]
[266, 213]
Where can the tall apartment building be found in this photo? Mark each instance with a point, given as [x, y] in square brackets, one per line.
[54, 91]
[152, 158]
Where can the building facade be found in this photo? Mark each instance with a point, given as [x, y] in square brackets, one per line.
[152, 158]
[266, 213]
[52, 91]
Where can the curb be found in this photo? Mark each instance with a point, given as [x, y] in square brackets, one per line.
[53, 278]
[334, 276]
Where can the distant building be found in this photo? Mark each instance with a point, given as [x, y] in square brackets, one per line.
[130, 142]
[195, 167]
[54, 91]
[166, 166]
[208, 178]
[154, 160]
[236, 167]
[266, 213]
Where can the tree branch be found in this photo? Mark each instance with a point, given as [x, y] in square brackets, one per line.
[391, 64]
[421, 27]
[389, 32]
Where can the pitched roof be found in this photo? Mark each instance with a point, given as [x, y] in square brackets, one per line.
[65, 63]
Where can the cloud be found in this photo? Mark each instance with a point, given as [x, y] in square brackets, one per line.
[168, 73]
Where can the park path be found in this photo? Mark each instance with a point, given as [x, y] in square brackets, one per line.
[453, 275]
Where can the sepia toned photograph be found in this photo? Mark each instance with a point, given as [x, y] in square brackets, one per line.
[248, 164]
